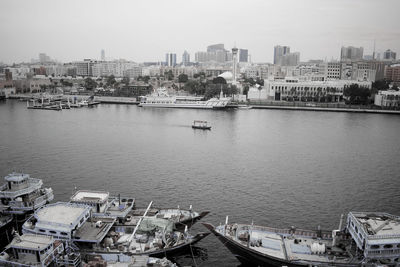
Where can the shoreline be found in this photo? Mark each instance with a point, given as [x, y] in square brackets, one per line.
[351, 110]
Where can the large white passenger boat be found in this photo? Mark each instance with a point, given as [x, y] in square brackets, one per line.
[161, 99]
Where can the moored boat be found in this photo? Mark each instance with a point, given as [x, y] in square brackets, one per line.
[161, 99]
[74, 223]
[22, 194]
[202, 125]
[368, 239]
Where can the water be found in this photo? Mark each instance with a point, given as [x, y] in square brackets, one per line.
[277, 168]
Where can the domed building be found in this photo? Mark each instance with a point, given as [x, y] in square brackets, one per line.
[227, 75]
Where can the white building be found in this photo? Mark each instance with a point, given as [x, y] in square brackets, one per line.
[293, 87]
[389, 98]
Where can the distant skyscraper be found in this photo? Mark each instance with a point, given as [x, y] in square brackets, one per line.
[290, 59]
[243, 55]
[389, 55]
[280, 51]
[351, 53]
[103, 55]
[215, 48]
[170, 59]
[185, 58]
[44, 58]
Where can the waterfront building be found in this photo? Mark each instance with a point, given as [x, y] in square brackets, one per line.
[389, 98]
[280, 51]
[170, 59]
[243, 55]
[37, 84]
[185, 58]
[295, 88]
[393, 73]
[389, 55]
[351, 53]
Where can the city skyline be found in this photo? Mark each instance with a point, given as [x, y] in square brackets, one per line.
[142, 32]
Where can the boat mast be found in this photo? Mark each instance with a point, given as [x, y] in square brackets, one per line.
[139, 222]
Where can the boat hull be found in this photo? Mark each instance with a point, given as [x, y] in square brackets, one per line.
[249, 256]
[189, 106]
[202, 128]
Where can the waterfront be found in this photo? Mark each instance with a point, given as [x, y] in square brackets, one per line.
[273, 167]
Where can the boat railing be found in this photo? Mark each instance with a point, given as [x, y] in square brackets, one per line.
[300, 232]
[33, 184]
[31, 204]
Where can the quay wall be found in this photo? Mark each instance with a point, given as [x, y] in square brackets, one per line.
[354, 110]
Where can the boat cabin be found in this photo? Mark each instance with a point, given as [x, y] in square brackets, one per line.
[21, 194]
[31, 250]
[68, 221]
[200, 125]
[104, 205]
[377, 234]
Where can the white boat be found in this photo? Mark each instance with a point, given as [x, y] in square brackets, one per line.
[161, 99]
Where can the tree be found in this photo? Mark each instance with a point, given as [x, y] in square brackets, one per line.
[357, 94]
[182, 78]
[260, 81]
[169, 75]
[125, 80]
[246, 89]
[219, 80]
[90, 84]
[111, 80]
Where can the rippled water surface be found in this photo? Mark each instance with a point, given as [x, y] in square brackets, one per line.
[277, 168]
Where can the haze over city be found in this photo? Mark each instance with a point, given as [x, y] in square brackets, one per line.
[147, 30]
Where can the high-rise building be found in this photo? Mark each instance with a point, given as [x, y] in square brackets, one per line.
[351, 53]
[170, 59]
[290, 59]
[185, 58]
[44, 58]
[389, 55]
[215, 48]
[103, 55]
[280, 51]
[243, 55]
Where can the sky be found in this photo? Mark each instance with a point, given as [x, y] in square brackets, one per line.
[145, 30]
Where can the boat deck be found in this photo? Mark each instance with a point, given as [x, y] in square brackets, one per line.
[286, 246]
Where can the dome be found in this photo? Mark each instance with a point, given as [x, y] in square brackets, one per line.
[227, 75]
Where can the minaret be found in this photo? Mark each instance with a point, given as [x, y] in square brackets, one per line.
[234, 61]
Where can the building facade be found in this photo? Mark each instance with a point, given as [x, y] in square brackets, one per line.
[389, 55]
[185, 58]
[170, 59]
[243, 55]
[389, 98]
[392, 73]
[296, 89]
[280, 51]
[351, 53]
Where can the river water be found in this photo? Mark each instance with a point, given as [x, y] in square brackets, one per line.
[273, 167]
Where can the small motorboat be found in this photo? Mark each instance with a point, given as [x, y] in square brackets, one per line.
[201, 125]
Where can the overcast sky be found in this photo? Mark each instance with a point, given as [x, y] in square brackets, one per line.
[69, 30]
